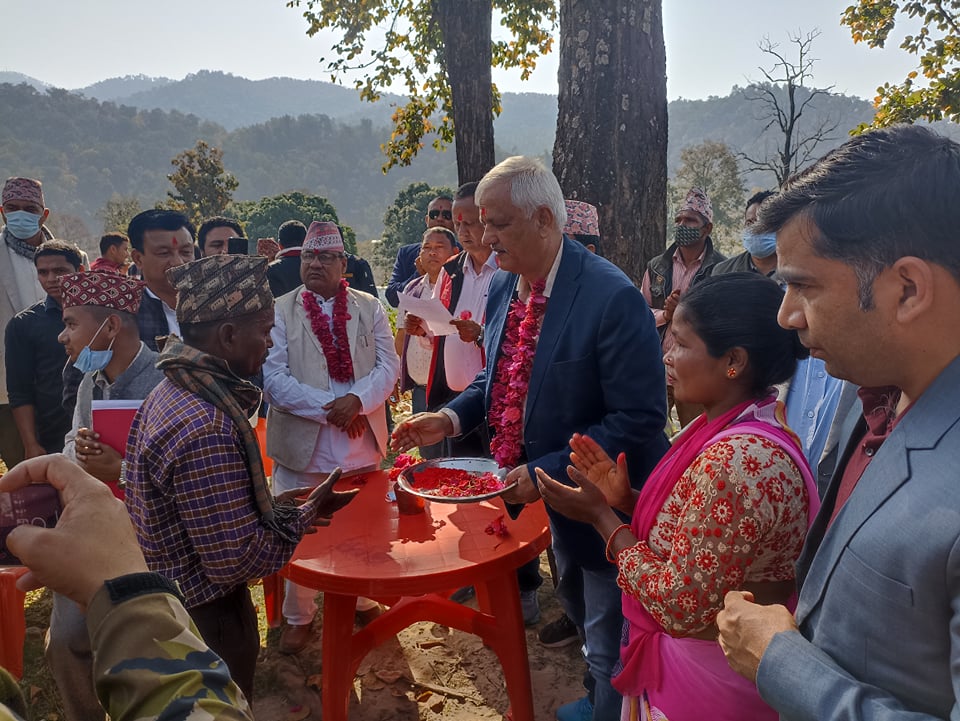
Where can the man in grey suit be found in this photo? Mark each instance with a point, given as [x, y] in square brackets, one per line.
[868, 245]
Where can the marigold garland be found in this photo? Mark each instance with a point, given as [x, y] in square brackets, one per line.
[336, 345]
[512, 376]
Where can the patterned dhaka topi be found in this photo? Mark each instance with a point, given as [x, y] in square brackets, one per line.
[582, 219]
[25, 189]
[698, 201]
[221, 287]
[107, 290]
[322, 235]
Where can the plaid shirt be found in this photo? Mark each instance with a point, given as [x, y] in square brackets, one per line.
[191, 499]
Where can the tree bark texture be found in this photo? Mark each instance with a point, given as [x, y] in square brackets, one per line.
[611, 144]
[466, 29]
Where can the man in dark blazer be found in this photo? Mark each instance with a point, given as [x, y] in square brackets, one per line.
[159, 240]
[405, 268]
[283, 273]
[867, 245]
[597, 370]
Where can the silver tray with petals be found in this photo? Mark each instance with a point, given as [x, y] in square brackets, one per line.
[407, 478]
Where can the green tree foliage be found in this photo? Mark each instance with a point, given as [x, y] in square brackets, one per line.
[404, 221]
[713, 167]
[117, 213]
[412, 54]
[261, 218]
[203, 187]
[936, 45]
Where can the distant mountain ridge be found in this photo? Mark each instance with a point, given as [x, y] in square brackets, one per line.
[236, 102]
[8, 76]
[119, 89]
[527, 124]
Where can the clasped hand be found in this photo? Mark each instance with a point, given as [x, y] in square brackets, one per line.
[746, 630]
[98, 459]
[343, 411]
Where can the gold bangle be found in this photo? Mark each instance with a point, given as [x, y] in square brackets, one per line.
[613, 535]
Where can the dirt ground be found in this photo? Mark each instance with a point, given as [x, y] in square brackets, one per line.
[428, 672]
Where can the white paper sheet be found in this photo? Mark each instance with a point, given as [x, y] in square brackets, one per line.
[432, 312]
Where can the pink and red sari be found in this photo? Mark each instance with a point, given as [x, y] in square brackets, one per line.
[682, 678]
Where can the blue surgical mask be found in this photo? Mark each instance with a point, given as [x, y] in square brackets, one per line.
[23, 224]
[760, 246]
[89, 361]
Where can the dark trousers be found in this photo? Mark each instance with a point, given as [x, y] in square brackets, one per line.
[228, 625]
[11, 447]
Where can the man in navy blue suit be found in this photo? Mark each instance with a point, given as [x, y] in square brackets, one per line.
[596, 370]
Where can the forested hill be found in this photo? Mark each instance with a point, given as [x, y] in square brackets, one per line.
[281, 135]
[86, 151]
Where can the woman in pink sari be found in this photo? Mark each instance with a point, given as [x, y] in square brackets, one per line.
[727, 508]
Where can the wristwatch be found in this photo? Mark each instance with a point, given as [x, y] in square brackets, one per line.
[479, 340]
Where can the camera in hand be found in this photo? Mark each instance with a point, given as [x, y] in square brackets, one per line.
[38, 505]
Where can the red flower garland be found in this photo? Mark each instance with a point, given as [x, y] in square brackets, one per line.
[512, 377]
[336, 345]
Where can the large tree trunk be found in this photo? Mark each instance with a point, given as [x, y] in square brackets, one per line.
[611, 145]
[466, 29]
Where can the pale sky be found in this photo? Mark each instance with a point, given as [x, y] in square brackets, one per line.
[711, 44]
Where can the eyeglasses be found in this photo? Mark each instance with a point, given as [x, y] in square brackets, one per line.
[434, 214]
[308, 256]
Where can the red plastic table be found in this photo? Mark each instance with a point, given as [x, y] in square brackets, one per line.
[369, 549]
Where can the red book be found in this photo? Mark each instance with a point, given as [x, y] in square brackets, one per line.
[112, 420]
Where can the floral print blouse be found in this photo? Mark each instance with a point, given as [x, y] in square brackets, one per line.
[738, 514]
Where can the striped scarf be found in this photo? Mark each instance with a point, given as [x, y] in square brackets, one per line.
[22, 247]
[211, 378]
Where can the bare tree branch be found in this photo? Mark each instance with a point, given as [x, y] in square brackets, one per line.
[784, 98]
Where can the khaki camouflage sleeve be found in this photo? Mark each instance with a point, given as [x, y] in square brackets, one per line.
[149, 660]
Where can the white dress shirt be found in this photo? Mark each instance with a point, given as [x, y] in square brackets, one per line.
[462, 361]
[334, 447]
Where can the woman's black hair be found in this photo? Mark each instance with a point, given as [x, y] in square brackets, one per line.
[739, 310]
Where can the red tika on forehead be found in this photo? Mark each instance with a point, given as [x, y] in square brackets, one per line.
[173, 239]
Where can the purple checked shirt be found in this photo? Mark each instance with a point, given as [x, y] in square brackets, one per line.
[191, 499]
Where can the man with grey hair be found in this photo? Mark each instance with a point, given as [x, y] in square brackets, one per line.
[571, 347]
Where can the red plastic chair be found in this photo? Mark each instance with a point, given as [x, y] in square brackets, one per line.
[261, 430]
[13, 625]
